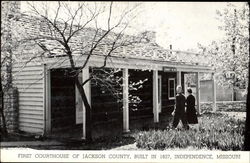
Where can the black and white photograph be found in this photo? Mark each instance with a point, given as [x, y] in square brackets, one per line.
[128, 81]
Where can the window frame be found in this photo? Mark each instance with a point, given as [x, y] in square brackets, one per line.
[171, 79]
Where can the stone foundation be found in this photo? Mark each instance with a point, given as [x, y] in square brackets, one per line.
[11, 109]
[228, 106]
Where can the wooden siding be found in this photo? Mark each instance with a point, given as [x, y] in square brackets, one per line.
[167, 104]
[105, 106]
[145, 107]
[30, 83]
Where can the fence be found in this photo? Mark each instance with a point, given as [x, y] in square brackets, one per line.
[222, 93]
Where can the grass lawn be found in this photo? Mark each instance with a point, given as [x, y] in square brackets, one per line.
[217, 131]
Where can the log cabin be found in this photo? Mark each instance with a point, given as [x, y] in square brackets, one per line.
[47, 98]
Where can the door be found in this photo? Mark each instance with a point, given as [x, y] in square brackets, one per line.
[159, 92]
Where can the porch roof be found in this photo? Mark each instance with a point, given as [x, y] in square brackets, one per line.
[127, 62]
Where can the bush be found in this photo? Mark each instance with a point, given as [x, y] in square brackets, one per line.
[216, 131]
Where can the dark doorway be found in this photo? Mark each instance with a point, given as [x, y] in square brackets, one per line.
[143, 91]
[62, 100]
[106, 104]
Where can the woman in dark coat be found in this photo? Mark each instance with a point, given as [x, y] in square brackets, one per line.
[191, 112]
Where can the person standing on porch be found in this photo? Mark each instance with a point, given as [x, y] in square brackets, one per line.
[191, 111]
[179, 112]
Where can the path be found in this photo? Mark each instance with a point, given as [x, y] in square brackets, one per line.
[30, 144]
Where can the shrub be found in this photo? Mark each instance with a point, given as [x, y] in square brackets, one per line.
[216, 131]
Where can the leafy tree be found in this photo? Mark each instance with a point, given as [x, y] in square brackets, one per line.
[230, 56]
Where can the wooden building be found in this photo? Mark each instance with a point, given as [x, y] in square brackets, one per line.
[48, 99]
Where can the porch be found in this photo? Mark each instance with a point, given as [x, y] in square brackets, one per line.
[157, 67]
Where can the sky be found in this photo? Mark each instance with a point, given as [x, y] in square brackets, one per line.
[181, 24]
[184, 24]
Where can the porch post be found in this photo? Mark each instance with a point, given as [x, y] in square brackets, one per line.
[155, 96]
[125, 101]
[85, 76]
[214, 92]
[178, 77]
[198, 91]
[47, 98]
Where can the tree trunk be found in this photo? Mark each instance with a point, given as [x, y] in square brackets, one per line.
[88, 110]
[83, 96]
[4, 128]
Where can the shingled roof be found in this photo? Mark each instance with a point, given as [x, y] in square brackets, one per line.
[147, 48]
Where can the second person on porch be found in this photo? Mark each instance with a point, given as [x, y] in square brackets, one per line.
[191, 111]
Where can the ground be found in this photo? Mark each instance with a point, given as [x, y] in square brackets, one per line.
[118, 142]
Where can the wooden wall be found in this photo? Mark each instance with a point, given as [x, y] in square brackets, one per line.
[30, 83]
[105, 105]
[167, 105]
[145, 107]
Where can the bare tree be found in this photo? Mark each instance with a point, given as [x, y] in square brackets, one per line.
[7, 45]
[65, 23]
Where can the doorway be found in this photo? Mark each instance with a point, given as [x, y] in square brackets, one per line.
[62, 100]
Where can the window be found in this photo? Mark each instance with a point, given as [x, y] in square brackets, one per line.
[171, 88]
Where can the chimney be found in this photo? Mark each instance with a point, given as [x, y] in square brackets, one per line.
[10, 9]
[170, 47]
[149, 36]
